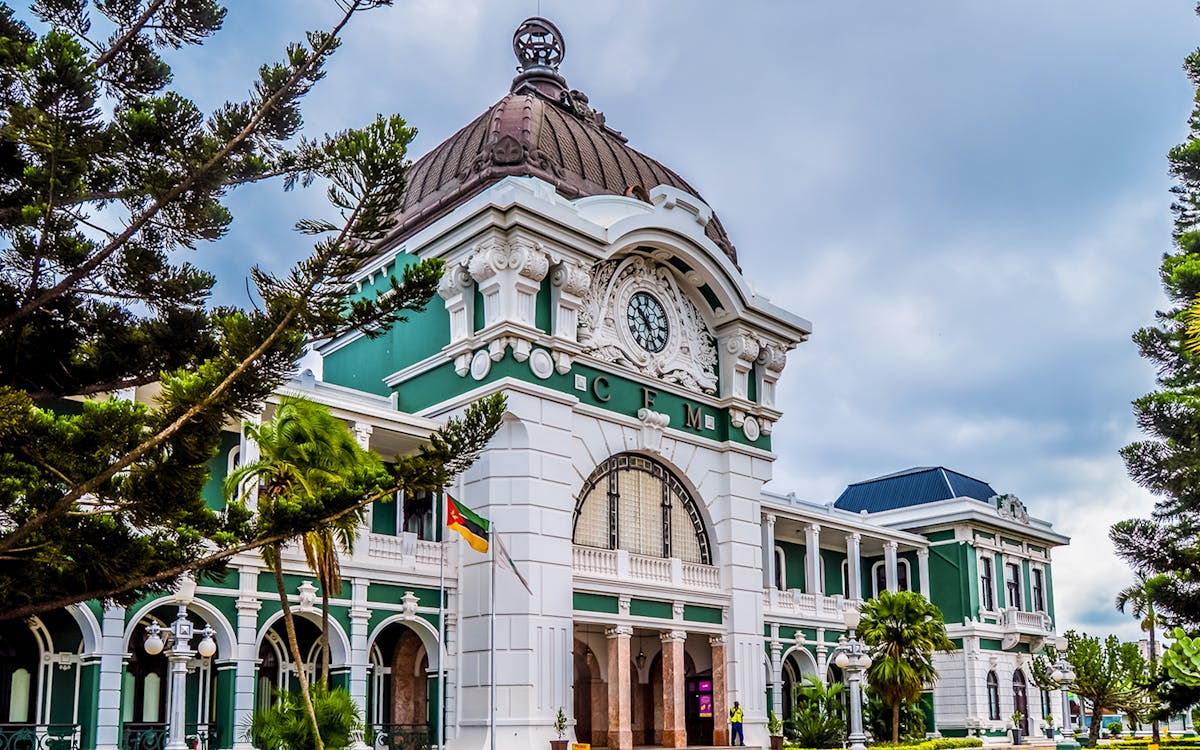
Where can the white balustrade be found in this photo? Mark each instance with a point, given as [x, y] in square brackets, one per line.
[620, 565]
[405, 552]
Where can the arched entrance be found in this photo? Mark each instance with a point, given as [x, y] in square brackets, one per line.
[20, 657]
[798, 667]
[146, 685]
[590, 700]
[402, 698]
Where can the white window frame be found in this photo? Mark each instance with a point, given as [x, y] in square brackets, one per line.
[780, 581]
[1034, 570]
[846, 580]
[1016, 563]
[991, 561]
[900, 563]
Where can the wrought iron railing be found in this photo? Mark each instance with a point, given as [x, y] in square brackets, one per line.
[401, 736]
[39, 737]
[153, 736]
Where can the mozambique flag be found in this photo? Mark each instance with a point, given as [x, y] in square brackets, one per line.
[473, 527]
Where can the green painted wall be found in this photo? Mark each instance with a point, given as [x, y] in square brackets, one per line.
[612, 391]
[940, 536]
[1027, 584]
[833, 570]
[226, 687]
[595, 603]
[364, 363]
[793, 564]
[648, 608]
[998, 573]
[386, 593]
[542, 309]
[945, 581]
[1049, 595]
[218, 468]
[89, 691]
[696, 613]
[914, 572]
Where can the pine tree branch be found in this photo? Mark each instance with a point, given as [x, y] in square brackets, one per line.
[133, 31]
[63, 504]
[89, 265]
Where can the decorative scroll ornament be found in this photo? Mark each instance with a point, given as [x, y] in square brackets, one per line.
[1009, 506]
[689, 357]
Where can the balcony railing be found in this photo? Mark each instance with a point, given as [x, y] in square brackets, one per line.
[797, 602]
[619, 565]
[405, 551]
[401, 736]
[1036, 623]
[39, 737]
[153, 736]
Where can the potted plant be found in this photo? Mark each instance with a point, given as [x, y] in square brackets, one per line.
[560, 728]
[1016, 727]
[1049, 726]
[775, 728]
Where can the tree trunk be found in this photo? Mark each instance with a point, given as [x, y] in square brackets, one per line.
[294, 646]
[1153, 673]
[325, 636]
[1094, 730]
[895, 722]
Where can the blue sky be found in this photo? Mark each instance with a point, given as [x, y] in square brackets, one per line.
[969, 201]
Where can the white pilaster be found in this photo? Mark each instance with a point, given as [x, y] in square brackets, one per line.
[923, 571]
[889, 564]
[108, 701]
[777, 676]
[360, 656]
[246, 657]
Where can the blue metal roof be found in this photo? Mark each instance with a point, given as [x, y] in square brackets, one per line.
[916, 486]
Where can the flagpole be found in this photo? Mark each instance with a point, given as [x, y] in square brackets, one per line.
[492, 639]
[441, 709]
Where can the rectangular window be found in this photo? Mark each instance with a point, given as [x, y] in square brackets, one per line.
[1039, 591]
[1012, 585]
[986, 585]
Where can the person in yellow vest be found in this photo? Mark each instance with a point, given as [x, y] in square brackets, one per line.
[735, 723]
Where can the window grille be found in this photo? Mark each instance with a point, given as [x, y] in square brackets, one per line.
[634, 503]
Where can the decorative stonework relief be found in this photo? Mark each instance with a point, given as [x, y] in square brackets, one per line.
[1008, 506]
[689, 355]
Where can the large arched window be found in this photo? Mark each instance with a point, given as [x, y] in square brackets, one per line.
[634, 503]
[993, 696]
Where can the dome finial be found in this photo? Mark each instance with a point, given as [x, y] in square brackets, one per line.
[539, 47]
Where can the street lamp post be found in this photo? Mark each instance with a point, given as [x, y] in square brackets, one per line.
[1064, 676]
[178, 637]
[853, 657]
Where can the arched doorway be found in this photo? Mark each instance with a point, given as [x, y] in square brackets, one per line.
[277, 668]
[402, 699]
[798, 666]
[146, 686]
[20, 658]
[590, 698]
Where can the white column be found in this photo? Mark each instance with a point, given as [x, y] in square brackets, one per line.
[769, 551]
[923, 571]
[854, 563]
[813, 554]
[777, 677]
[108, 702]
[359, 654]
[822, 656]
[246, 655]
[889, 564]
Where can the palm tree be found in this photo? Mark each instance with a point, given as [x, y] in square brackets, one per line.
[1140, 597]
[903, 630]
[307, 458]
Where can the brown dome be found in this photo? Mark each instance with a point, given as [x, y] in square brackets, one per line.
[541, 130]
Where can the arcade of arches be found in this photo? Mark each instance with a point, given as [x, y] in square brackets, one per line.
[635, 686]
[638, 686]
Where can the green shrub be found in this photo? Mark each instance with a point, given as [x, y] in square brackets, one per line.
[285, 724]
[949, 743]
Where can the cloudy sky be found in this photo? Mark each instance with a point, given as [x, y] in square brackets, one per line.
[969, 200]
